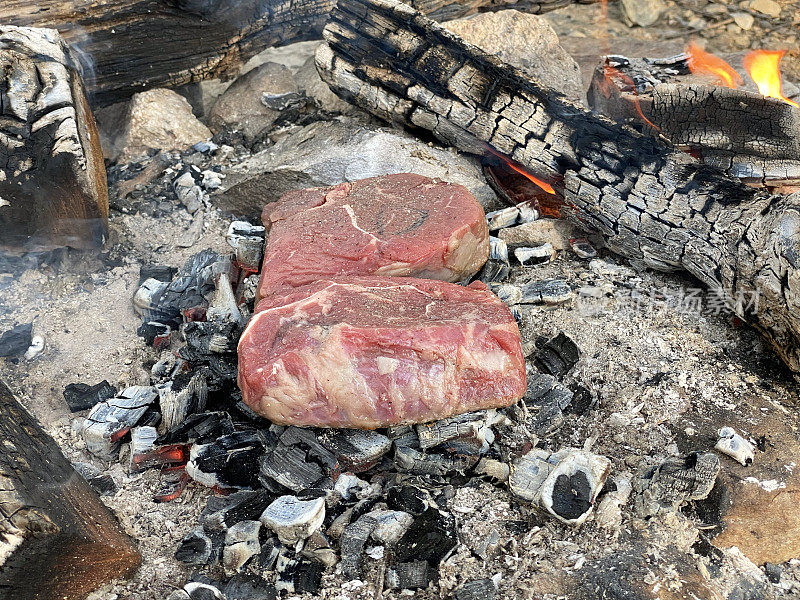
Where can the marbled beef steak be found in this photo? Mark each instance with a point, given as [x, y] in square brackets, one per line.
[395, 225]
[371, 352]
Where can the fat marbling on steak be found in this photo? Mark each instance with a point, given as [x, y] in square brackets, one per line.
[370, 352]
[393, 225]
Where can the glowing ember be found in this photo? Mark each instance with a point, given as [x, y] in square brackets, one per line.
[542, 184]
[704, 63]
[762, 66]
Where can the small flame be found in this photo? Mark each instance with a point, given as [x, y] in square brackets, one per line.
[762, 66]
[704, 63]
[613, 73]
[542, 184]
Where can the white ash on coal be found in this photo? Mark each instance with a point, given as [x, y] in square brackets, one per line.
[564, 484]
[676, 481]
[293, 519]
[111, 420]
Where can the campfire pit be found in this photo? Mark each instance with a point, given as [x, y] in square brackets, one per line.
[555, 421]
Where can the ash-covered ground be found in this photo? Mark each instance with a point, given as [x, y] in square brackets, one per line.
[662, 368]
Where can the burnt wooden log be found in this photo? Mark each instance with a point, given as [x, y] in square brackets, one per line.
[52, 177]
[57, 539]
[754, 138]
[132, 45]
[652, 203]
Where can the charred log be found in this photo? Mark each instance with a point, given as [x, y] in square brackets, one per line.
[52, 178]
[56, 538]
[131, 45]
[754, 138]
[653, 203]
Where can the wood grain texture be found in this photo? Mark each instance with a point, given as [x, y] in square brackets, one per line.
[131, 45]
[52, 177]
[652, 203]
[57, 539]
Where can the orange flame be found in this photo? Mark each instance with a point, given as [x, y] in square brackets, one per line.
[704, 63]
[542, 184]
[762, 66]
[613, 73]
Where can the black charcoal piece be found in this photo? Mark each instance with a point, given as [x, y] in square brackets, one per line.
[224, 512]
[247, 242]
[494, 271]
[181, 397]
[411, 575]
[431, 537]
[352, 543]
[773, 572]
[200, 427]
[557, 356]
[270, 550]
[244, 586]
[286, 571]
[16, 340]
[466, 432]
[546, 291]
[408, 498]
[154, 333]
[82, 396]
[195, 548]
[212, 337]
[535, 255]
[420, 463]
[307, 439]
[110, 420]
[229, 462]
[669, 485]
[356, 450]
[288, 466]
[547, 400]
[157, 272]
[480, 589]
[572, 495]
[308, 577]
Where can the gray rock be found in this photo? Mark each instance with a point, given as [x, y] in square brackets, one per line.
[327, 153]
[536, 233]
[642, 12]
[241, 107]
[526, 41]
[309, 82]
[155, 120]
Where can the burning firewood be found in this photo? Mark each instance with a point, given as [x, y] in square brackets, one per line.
[53, 181]
[56, 538]
[653, 204]
[752, 137]
[157, 44]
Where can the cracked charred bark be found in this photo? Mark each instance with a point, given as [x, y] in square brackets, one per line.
[652, 203]
[52, 177]
[131, 45]
[57, 539]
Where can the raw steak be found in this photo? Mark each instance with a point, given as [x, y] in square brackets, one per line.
[371, 352]
[396, 225]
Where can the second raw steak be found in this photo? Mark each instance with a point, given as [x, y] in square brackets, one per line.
[370, 352]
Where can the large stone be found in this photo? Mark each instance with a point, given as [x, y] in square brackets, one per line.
[525, 41]
[52, 178]
[241, 107]
[328, 153]
[642, 12]
[157, 120]
[760, 503]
